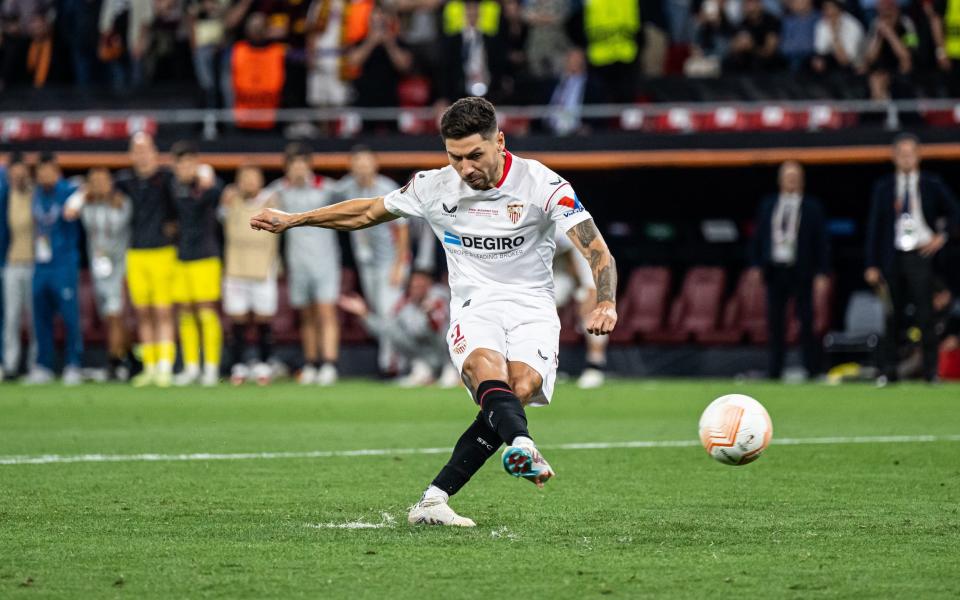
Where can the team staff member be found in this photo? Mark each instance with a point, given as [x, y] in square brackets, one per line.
[56, 272]
[105, 214]
[16, 215]
[902, 239]
[151, 259]
[381, 252]
[313, 267]
[196, 289]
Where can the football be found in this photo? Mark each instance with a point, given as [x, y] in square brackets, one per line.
[735, 429]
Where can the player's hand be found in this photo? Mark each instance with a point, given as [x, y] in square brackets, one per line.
[272, 220]
[872, 276]
[353, 304]
[933, 246]
[602, 319]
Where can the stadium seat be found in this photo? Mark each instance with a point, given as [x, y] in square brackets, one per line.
[643, 304]
[745, 315]
[696, 309]
[863, 327]
[570, 331]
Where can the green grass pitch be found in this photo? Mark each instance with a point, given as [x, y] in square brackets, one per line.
[829, 520]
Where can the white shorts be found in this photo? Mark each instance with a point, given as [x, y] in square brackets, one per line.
[242, 296]
[313, 286]
[519, 333]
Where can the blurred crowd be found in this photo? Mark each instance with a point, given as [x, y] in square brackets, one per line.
[264, 54]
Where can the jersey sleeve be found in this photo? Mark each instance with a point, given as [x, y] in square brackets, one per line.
[405, 201]
[564, 208]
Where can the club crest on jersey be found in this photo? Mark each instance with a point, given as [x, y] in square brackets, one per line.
[515, 211]
[572, 203]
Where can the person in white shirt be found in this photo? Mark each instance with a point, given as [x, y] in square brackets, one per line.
[496, 215]
[837, 40]
[911, 217]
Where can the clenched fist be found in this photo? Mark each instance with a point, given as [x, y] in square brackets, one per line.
[272, 220]
[602, 319]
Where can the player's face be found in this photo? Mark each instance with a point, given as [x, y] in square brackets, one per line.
[185, 168]
[791, 178]
[47, 175]
[363, 165]
[418, 287]
[18, 175]
[298, 170]
[100, 183]
[906, 156]
[476, 159]
[143, 153]
[250, 181]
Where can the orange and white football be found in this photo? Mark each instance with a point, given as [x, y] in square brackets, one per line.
[735, 429]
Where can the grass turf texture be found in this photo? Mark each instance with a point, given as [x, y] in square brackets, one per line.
[809, 521]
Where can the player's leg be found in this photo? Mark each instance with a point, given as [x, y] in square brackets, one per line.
[188, 329]
[264, 309]
[206, 294]
[138, 286]
[300, 299]
[327, 292]
[236, 305]
[162, 264]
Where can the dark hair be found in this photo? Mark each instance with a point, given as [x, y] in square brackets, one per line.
[905, 137]
[468, 116]
[47, 158]
[183, 148]
[361, 149]
[294, 151]
[16, 158]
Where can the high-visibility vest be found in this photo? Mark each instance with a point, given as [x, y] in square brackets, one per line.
[951, 29]
[611, 27]
[455, 17]
[258, 76]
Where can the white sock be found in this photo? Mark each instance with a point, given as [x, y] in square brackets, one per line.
[164, 367]
[522, 441]
[434, 492]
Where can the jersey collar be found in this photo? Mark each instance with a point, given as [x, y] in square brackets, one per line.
[507, 161]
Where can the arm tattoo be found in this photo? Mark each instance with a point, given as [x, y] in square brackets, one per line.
[586, 232]
[607, 283]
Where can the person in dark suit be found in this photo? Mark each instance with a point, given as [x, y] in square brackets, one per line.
[791, 252]
[474, 62]
[910, 218]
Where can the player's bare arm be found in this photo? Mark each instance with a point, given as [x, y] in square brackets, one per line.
[586, 237]
[343, 216]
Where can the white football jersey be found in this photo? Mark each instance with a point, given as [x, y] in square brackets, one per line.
[499, 242]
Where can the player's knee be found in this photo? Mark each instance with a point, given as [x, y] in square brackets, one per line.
[525, 388]
[484, 365]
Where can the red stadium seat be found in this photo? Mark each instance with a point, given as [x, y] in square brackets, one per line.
[643, 304]
[697, 307]
[570, 332]
[745, 314]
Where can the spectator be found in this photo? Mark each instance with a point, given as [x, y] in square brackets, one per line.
[381, 253]
[234, 21]
[610, 33]
[946, 330]
[124, 40]
[713, 30]
[756, 41]
[381, 60]
[474, 60]
[547, 43]
[838, 40]
[168, 51]
[40, 53]
[250, 285]
[456, 18]
[799, 26]
[572, 91]
[56, 273]
[196, 287]
[17, 218]
[77, 26]
[514, 33]
[943, 17]
[791, 252]
[105, 214]
[573, 281]
[313, 266]
[910, 217]
[420, 30]
[258, 76]
[205, 21]
[889, 54]
[325, 69]
[151, 259]
[25, 40]
[416, 328]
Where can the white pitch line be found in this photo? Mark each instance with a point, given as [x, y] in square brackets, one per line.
[45, 459]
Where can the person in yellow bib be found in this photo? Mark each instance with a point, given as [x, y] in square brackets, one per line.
[151, 258]
[196, 290]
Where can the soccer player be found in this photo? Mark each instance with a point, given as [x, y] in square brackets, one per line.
[196, 288]
[382, 253]
[151, 259]
[496, 215]
[313, 267]
[250, 282]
